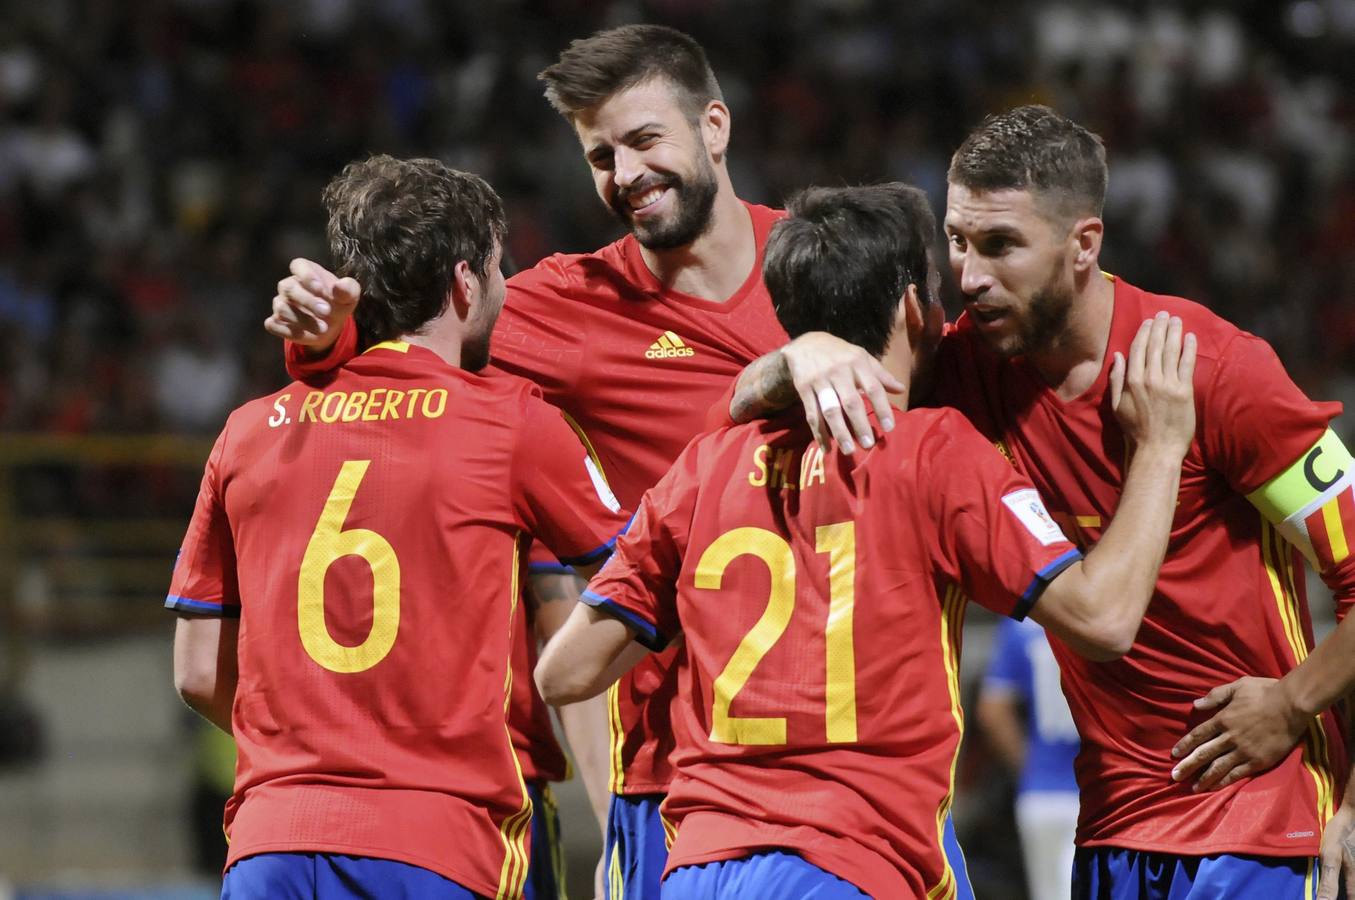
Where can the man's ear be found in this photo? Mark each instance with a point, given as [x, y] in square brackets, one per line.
[714, 123]
[465, 290]
[1087, 234]
[910, 315]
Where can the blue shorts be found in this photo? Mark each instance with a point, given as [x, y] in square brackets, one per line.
[294, 876]
[546, 870]
[637, 851]
[1109, 873]
[950, 846]
[767, 873]
[637, 848]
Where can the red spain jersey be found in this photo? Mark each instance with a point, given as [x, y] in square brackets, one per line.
[1229, 600]
[821, 600]
[376, 596]
[636, 366]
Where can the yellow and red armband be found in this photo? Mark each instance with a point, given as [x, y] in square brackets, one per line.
[1312, 502]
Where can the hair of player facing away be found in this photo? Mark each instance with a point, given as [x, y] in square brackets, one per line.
[594, 68]
[1033, 148]
[844, 256]
[400, 226]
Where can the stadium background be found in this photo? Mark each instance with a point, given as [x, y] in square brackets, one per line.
[160, 162]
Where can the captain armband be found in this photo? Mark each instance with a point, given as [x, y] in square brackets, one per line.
[1312, 503]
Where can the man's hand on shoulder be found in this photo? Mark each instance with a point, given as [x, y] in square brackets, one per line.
[1153, 391]
[311, 306]
[831, 375]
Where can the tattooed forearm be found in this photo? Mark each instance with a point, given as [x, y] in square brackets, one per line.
[550, 599]
[764, 387]
[553, 587]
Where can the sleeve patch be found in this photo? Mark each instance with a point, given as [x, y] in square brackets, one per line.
[1027, 506]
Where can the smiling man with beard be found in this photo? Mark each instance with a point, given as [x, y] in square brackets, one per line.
[634, 342]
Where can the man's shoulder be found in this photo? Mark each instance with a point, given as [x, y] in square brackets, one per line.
[764, 217]
[922, 428]
[570, 274]
[1213, 332]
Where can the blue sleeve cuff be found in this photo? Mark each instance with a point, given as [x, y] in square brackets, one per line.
[184, 604]
[598, 553]
[548, 568]
[1041, 581]
[646, 635]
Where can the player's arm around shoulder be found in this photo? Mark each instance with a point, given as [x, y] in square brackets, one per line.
[312, 312]
[1097, 604]
[832, 378]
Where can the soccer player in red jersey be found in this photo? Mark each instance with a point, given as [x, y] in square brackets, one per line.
[634, 341]
[1265, 483]
[820, 596]
[369, 598]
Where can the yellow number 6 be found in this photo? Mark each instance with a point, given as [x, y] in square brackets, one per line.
[330, 542]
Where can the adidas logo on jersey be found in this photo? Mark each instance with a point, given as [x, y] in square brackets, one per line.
[668, 346]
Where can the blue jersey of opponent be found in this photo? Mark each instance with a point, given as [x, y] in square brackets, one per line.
[1023, 664]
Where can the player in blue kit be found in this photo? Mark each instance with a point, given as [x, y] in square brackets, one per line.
[1023, 714]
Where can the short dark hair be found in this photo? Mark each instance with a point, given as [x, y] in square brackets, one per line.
[594, 68]
[400, 226]
[843, 258]
[1035, 149]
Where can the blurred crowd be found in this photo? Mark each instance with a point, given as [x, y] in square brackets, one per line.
[161, 161]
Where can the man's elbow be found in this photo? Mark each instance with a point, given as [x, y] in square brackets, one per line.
[1106, 641]
[560, 685]
[196, 685]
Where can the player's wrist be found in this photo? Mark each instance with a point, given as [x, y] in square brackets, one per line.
[1299, 706]
[1158, 453]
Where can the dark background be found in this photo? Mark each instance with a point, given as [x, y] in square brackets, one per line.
[161, 161]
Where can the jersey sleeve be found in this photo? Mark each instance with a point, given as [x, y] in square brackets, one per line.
[204, 579]
[993, 534]
[301, 365]
[1008, 667]
[1255, 422]
[541, 561]
[639, 583]
[1312, 504]
[561, 498]
[1275, 446]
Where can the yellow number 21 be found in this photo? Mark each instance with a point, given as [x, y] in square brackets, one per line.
[329, 542]
[839, 542]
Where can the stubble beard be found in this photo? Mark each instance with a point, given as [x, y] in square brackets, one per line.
[1045, 318]
[695, 203]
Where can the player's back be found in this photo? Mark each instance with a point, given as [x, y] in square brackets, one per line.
[823, 639]
[376, 540]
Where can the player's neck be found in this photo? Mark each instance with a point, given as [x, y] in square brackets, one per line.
[444, 342]
[898, 360]
[715, 265]
[1074, 360]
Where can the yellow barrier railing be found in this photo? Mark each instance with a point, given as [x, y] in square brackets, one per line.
[89, 527]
